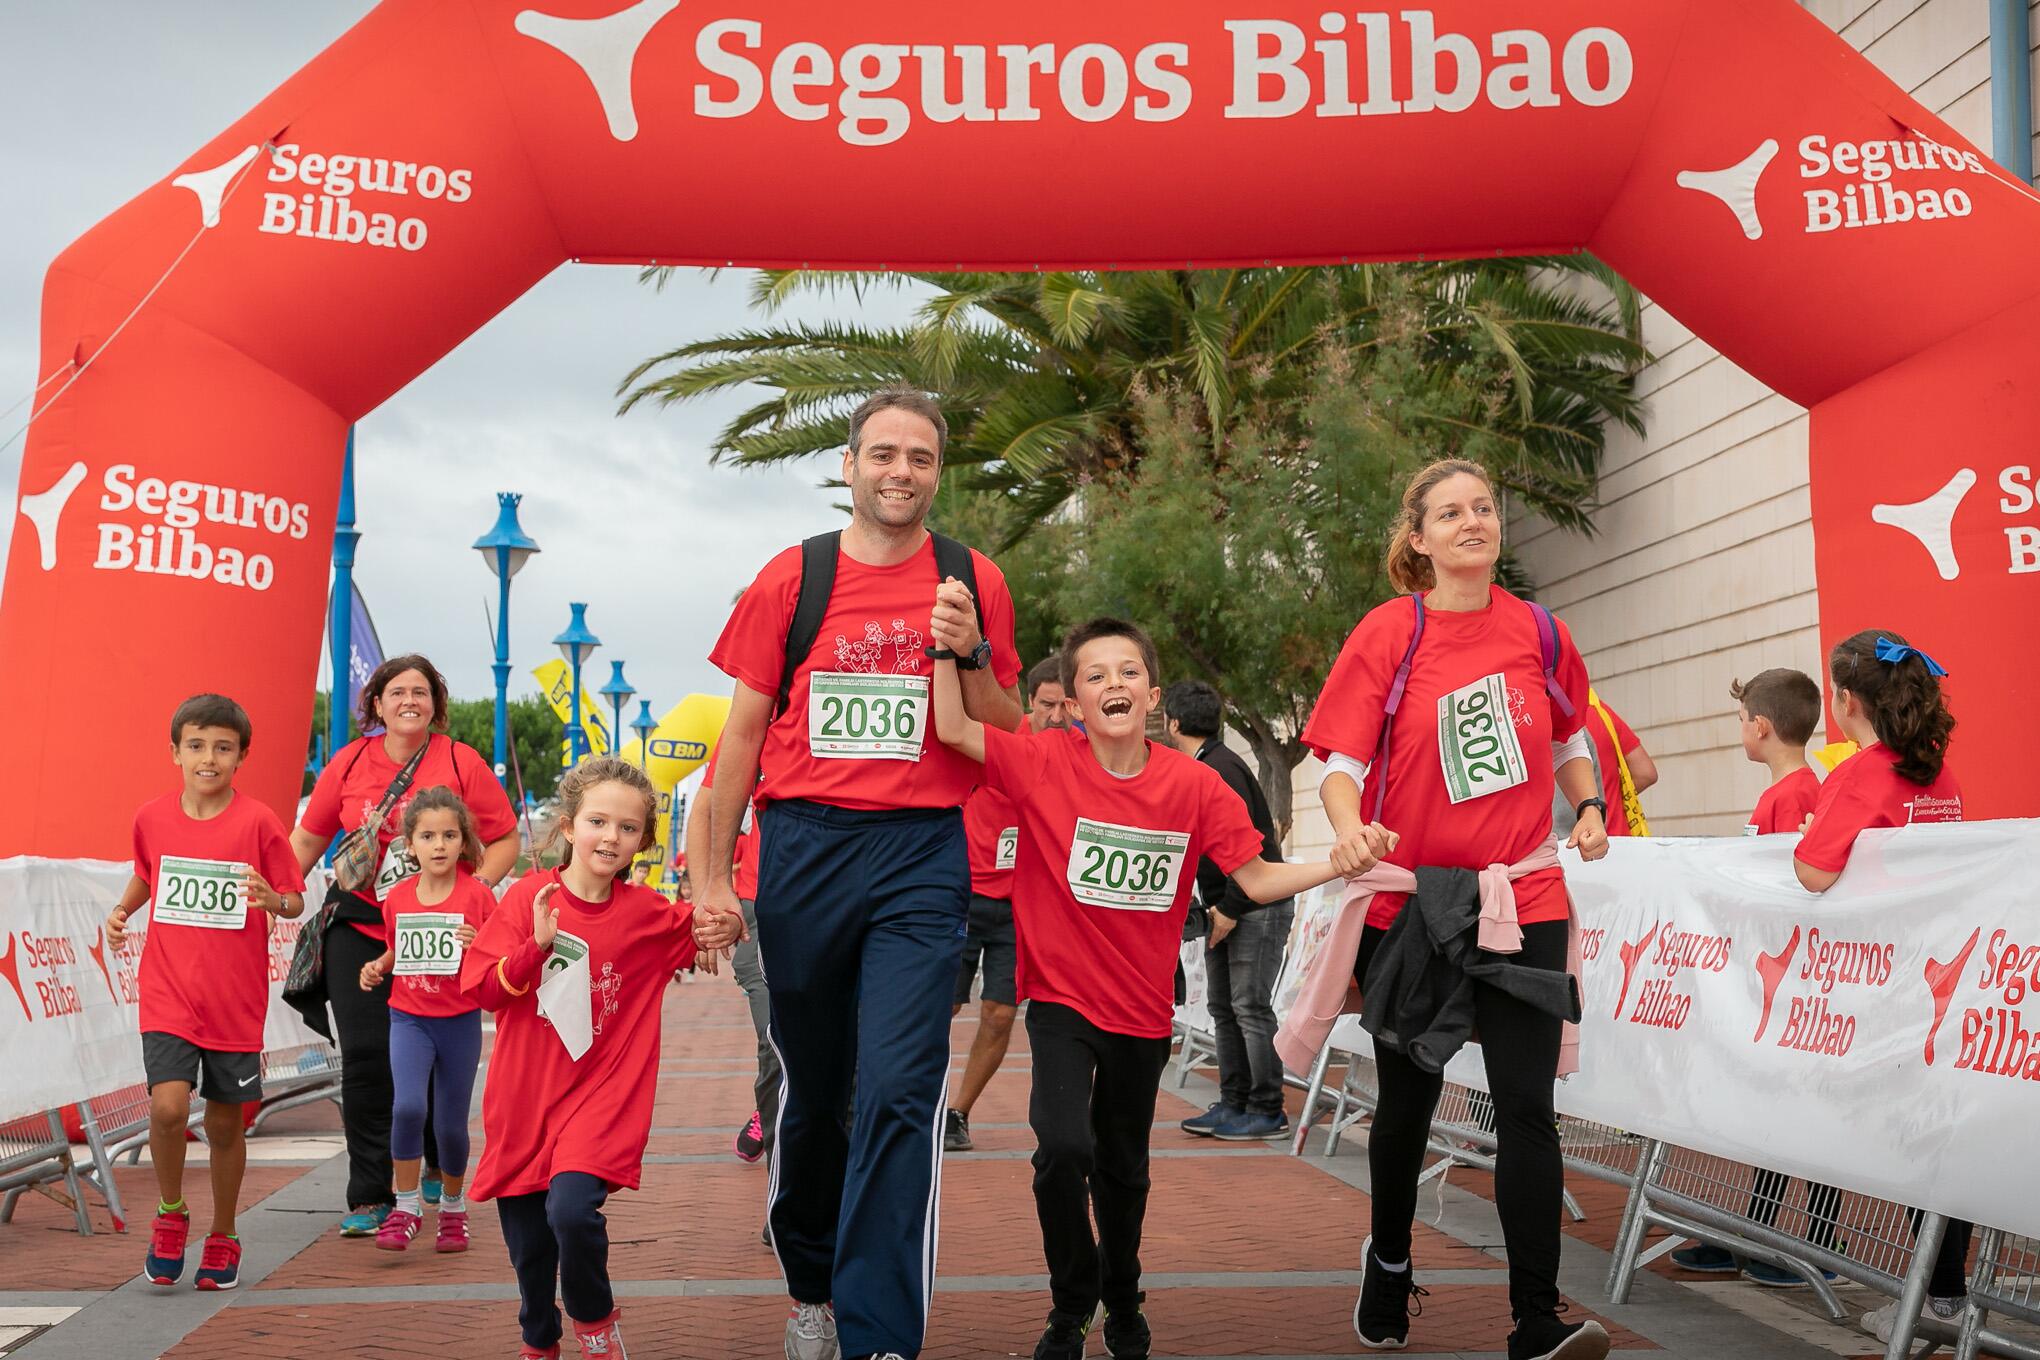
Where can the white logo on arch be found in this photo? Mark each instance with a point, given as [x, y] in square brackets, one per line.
[605, 49]
[1737, 185]
[1932, 521]
[45, 508]
[211, 185]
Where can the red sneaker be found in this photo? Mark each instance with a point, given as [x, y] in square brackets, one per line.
[527, 1351]
[396, 1231]
[219, 1264]
[604, 1338]
[453, 1232]
[165, 1261]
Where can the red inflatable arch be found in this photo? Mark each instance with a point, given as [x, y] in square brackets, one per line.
[1734, 158]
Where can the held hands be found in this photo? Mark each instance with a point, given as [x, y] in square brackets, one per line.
[1589, 835]
[372, 973]
[954, 622]
[718, 926]
[1360, 849]
[545, 919]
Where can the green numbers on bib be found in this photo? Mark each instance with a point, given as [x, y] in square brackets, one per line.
[1009, 849]
[427, 944]
[853, 716]
[200, 892]
[1126, 868]
[1477, 744]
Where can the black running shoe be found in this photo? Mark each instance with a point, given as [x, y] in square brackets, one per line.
[1542, 1336]
[1064, 1338]
[1126, 1334]
[956, 1132]
[1388, 1300]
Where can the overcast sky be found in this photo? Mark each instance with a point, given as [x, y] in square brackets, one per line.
[100, 98]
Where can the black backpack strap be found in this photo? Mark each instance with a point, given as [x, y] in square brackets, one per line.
[817, 583]
[954, 559]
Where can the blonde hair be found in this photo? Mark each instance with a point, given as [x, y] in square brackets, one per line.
[446, 800]
[1408, 570]
[573, 791]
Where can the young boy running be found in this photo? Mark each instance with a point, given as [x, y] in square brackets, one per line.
[216, 867]
[1108, 823]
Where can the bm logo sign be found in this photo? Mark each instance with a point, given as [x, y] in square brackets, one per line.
[666, 748]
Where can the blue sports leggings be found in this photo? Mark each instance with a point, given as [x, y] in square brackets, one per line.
[442, 1051]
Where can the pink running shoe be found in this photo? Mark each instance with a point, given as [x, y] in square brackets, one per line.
[527, 1351]
[751, 1139]
[453, 1232]
[396, 1232]
[603, 1339]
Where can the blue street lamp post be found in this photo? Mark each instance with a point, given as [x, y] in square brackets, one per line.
[644, 725]
[577, 644]
[505, 548]
[618, 692]
[340, 627]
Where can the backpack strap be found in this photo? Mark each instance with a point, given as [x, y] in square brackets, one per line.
[1388, 709]
[954, 559]
[817, 583]
[1547, 641]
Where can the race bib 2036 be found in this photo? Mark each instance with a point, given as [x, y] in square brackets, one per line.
[1127, 868]
[855, 716]
[1477, 741]
[200, 892]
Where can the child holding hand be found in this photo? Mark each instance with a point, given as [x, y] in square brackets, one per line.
[435, 1030]
[575, 962]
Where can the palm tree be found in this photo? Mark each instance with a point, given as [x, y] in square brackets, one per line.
[1041, 375]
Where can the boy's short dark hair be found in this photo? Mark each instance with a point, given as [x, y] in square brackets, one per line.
[1097, 628]
[211, 710]
[1046, 671]
[1788, 698]
[1195, 706]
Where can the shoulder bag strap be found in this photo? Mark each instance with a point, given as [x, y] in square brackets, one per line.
[1547, 641]
[1394, 702]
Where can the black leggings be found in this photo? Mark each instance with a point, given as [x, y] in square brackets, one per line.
[1520, 1044]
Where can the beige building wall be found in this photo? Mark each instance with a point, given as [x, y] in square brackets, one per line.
[1702, 569]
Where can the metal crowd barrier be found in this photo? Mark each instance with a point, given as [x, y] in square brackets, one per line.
[2006, 1280]
[34, 1154]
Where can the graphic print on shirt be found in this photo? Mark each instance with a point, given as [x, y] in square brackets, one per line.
[609, 987]
[874, 706]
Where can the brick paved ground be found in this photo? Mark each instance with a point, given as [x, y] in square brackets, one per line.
[1249, 1252]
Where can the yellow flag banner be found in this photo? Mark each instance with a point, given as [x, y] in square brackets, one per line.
[556, 681]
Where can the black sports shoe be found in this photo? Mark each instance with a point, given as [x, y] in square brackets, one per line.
[1388, 1300]
[956, 1132]
[1542, 1336]
[1126, 1334]
[1064, 1338]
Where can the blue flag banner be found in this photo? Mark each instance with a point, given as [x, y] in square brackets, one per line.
[364, 649]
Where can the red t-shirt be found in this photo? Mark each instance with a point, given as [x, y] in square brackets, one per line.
[434, 994]
[1783, 806]
[203, 984]
[876, 626]
[744, 863]
[1617, 819]
[1111, 957]
[1458, 650]
[1867, 791]
[355, 779]
[991, 829]
[543, 1112]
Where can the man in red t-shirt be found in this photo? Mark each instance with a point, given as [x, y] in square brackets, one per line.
[1112, 827]
[216, 868]
[990, 827]
[863, 876]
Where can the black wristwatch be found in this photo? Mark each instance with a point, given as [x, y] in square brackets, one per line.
[1586, 803]
[979, 658]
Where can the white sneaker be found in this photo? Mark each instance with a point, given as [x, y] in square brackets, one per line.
[1879, 1322]
[811, 1333]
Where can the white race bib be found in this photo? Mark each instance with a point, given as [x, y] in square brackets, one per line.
[1477, 741]
[854, 716]
[1127, 868]
[397, 865]
[1009, 848]
[563, 993]
[427, 944]
[200, 892]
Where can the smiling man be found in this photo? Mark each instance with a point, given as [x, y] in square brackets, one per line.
[863, 876]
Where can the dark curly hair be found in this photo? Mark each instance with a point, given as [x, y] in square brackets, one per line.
[1902, 699]
[372, 692]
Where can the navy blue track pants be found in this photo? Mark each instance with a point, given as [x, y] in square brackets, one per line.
[860, 923]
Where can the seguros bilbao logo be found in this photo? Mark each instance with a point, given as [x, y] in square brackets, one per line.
[1814, 1021]
[1931, 519]
[1862, 184]
[1990, 1001]
[1656, 961]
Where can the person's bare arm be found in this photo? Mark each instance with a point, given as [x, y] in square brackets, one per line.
[695, 836]
[498, 857]
[955, 626]
[1642, 769]
[1270, 881]
[131, 897]
[1812, 879]
[736, 775]
[307, 847]
[1590, 833]
[954, 727]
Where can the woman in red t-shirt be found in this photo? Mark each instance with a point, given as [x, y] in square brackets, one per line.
[1465, 790]
[403, 710]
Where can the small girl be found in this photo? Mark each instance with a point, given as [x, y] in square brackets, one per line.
[1888, 701]
[435, 1031]
[575, 964]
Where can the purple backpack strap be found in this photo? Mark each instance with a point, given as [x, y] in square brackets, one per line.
[1547, 641]
[1388, 709]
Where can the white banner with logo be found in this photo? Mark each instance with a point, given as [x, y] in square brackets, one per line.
[69, 1012]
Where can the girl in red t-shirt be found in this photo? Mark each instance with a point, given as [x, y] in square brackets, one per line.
[435, 1030]
[575, 963]
[1484, 736]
